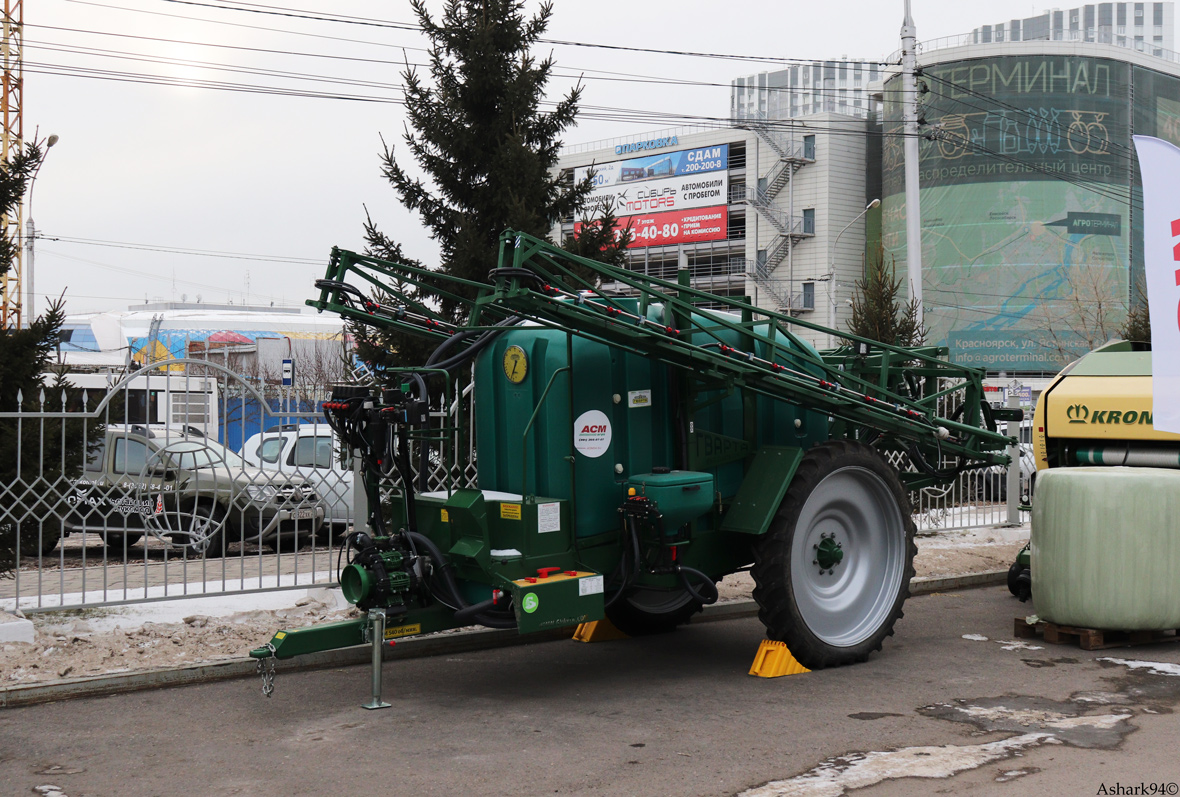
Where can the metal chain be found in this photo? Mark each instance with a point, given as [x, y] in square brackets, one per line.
[266, 669]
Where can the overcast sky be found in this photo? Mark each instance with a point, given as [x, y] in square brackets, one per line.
[141, 169]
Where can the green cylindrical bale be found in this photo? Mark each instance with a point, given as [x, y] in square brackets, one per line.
[1105, 552]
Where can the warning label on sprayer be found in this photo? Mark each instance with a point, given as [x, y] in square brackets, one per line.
[592, 433]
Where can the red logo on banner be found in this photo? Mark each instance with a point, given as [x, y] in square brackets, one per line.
[1176, 256]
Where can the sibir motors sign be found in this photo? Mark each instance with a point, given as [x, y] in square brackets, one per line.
[669, 198]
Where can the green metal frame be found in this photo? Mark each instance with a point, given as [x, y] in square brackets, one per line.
[547, 285]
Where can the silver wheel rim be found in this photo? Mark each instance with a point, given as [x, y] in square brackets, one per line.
[847, 603]
[200, 529]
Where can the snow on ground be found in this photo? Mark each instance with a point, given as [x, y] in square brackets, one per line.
[961, 551]
[87, 642]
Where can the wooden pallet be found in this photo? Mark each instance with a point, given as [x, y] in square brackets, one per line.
[1091, 638]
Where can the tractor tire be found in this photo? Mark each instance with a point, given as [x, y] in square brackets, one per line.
[1019, 582]
[1013, 578]
[650, 611]
[846, 509]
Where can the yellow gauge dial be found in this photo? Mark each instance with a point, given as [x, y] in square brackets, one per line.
[516, 364]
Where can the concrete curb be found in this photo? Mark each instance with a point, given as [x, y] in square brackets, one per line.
[456, 642]
[988, 578]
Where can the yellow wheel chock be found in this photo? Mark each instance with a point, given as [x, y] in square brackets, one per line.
[598, 631]
[774, 659]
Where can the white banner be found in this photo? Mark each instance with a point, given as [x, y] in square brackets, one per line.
[1159, 162]
[667, 181]
[657, 196]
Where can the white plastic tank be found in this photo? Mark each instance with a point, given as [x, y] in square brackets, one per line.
[1106, 548]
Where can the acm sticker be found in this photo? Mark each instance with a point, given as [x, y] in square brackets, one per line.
[592, 434]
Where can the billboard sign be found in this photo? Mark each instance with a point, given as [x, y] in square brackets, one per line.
[653, 167]
[673, 193]
[675, 227]
[1026, 227]
[669, 198]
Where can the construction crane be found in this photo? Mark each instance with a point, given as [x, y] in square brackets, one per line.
[11, 143]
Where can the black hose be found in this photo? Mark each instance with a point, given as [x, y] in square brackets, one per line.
[625, 576]
[347, 544]
[441, 348]
[423, 458]
[403, 465]
[520, 273]
[484, 338]
[989, 418]
[469, 612]
[711, 587]
[912, 383]
[475, 348]
[485, 613]
[635, 545]
[444, 567]
[624, 579]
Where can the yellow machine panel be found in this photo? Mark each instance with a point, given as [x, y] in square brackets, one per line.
[1102, 407]
[1098, 411]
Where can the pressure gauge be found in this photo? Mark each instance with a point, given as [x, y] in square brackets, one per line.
[516, 364]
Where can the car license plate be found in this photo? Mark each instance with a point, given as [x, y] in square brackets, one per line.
[304, 514]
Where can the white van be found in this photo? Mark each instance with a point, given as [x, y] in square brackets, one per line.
[308, 450]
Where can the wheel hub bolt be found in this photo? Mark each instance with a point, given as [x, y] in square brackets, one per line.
[829, 553]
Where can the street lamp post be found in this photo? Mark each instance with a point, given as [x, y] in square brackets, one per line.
[31, 234]
[832, 271]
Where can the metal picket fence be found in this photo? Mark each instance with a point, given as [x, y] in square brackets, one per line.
[185, 479]
[124, 490]
[978, 497]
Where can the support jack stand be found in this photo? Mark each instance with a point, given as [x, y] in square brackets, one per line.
[377, 638]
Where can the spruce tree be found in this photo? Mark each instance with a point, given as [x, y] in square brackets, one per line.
[602, 238]
[50, 456]
[478, 131]
[380, 349]
[1137, 325]
[877, 310]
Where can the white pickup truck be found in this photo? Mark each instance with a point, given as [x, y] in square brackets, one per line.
[308, 450]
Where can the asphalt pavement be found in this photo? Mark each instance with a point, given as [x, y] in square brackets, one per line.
[667, 715]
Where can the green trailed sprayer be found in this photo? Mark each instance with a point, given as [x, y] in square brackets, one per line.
[637, 440]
